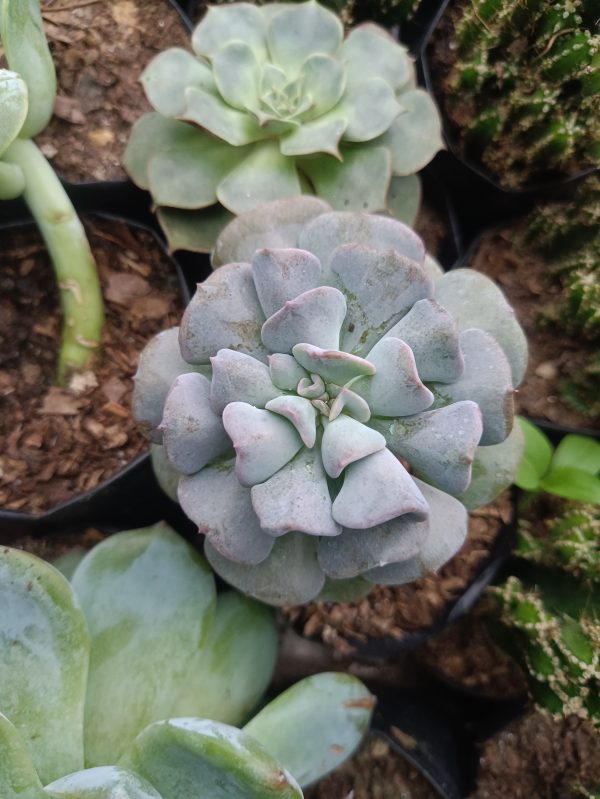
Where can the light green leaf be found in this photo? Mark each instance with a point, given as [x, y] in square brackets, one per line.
[344, 590]
[148, 598]
[236, 72]
[185, 758]
[370, 52]
[236, 22]
[297, 31]
[211, 113]
[404, 198]
[167, 77]
[315, 725]
[13, 107]
[415, 135]
[193, 230]
[18, 777]
[359, 183]
[69, 561]
[12, 181]
[263, 176]
[44, 648]
[536, 457]
[166, 475]
[369, 108]
[324, 81]
[104, 782]
[319, 136]
[27, 53]
[572, 483]
[494, 469]
[228, 676]
[582, 452]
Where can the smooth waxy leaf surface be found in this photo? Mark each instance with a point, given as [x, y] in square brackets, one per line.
[18, 777]
[13, 106]
[103, 782]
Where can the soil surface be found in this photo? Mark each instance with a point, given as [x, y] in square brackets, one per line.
[100, 48]
[554, 355]
[540, 758]
[51, 547]
[394, 611]
[375, 772]
[61, 442]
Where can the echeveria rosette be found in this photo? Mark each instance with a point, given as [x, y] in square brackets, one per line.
[331, 360]
[274, 102]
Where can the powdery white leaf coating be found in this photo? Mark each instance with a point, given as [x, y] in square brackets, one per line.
[346, 440]
[315, 316]
[237, 376]
[301, 413]
[281, 275]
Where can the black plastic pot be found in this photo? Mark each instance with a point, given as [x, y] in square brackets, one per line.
[131, 498]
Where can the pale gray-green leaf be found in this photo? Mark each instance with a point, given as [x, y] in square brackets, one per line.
[13, 106]
[494, 469]
[315, 316]
[12, 181]
[324, 81]
[404, 198]
[167, 77]
[236, 22]
[193, 230]
[282, 274]
[210, 112]
[300, 412]
[299, 30]
[346, 440]
[371, 52]
[166, 475]
[18, 777]
[103, 782]
[415, 135]
[318, 136]
[369, 108]
[236, 72]
[240, 377]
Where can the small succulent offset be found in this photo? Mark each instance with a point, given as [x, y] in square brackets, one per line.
[275, 103]
[105, 684]
[354, 382]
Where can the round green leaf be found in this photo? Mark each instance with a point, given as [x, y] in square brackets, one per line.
[494, 469]
[12, 180]
[13, 106]
[572, 483]
[236, 73]
[297, 31]
[582, 452]
[169, 75]
[193, 230]
[415, 135]
[404, 198]
[536, 457]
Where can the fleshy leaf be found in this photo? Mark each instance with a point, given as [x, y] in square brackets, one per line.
[315, 317]
[281, 275]
[350, 402]
[369, 52]
[415, 135]
[315, 725]
[319, 136]
[404, 198]
[376, 489]
[215, 500]
[44, 651]
[406, 571]
[324, 81]
[297, 31]
[236, 72]
[192, 432]
[211, 113]
[345, 441]
[369, 107]
[148, 599]
[223, 313]
[190, 757]
[300, 412]
[102, 782]
[296, 498]
[18, 777]
[195, 230]
[167, 77]
[239, 377]
[166, 475]
[395, 389]
[13, 101]
[291, 575]
[334, 366]
[285, 371]
[344, 590]
[237, 22]
[440, 445]
[494, 469]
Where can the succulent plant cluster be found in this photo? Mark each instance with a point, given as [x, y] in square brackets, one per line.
[110, 686]
[274, 103]
[528, 76]
[325, 398]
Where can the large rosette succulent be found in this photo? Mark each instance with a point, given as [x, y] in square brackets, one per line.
[324, 401]
[273, 103]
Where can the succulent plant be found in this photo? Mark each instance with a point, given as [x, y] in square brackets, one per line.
[527, 75]
[104, 682]
[274, 103]
[26, 101]
[354, 382]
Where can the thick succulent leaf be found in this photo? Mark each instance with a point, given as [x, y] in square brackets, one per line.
[148, 599]
[358, 182]
[300, 30]
[318, 136]
[486, 380]
[324, 81]
[370, 52]
[291, 575]
[395, 389]
[263, 441]
[236, 22]
[368, 107]
[406, 571]
[296, 498]
[281, 275]
[160, 363]
[221, 507]
[195, 231]
[166, 475]
[167, 77]
[328, 231]
[236, 72]
[315, 725]
[239, 377]
[233, 668]
[102, 782]
[12, 181]
[315, 317]
[210, 112]
[44, 652]
[431, 333]
[356, 551]
[350, 402]
[275, 225]
[432, 268]
[476, 301]
[404, 198]
[27, 52]
[300, 412]
[379, 286]
[344, 590]
[13, 102]
[190, 757]
[69, 561]
[285, 371]
[18, 777]
[415, 135]
[264, 175]
[193, 434]
[334, 366]
[345, 441]
[494, 469]
[439, 445]
[376, 489]
[223, 313]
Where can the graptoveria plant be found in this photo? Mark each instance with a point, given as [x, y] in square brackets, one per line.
[104, 683]
[274, 103]
[26, 101]
[354, 382]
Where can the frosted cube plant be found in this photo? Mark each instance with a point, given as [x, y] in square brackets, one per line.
[324, 400]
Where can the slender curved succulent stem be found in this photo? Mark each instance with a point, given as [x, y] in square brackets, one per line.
[76, 274]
